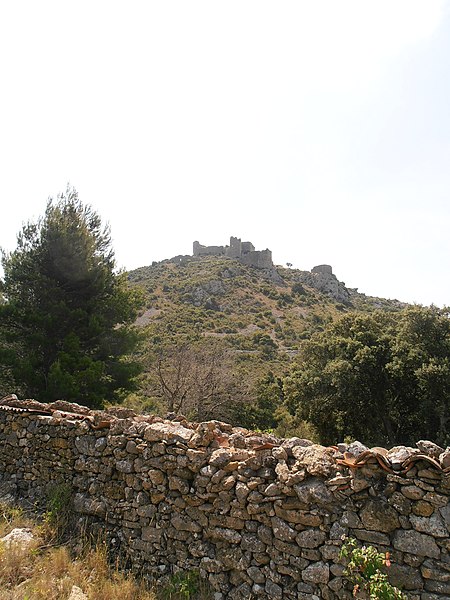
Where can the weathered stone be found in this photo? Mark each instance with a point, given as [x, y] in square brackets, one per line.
[350, 519]
[22, 537]
[337, 532]
[422, 508]
[221, 457]
[282, 530]
[318, 572]
[252, 543]
[287, 476]
[374, 537]
[435, 499]
[404, 577]
[86, 444]
[435, 570]
[401, 504]
[356, 448]
[183, 523]
[89, 506]
[287, 548]
[412, 492]
[77, 593]
[210, 565]
[313, 491]
[433, 525]
[169, 432]
[295, 516]
[226, 535]
[310, 538]
[430, 448]
[124, 466]
[317, 460]
[265, 534]
[379, 516]
[438, 586]
[272, 490]
[273, 590]
[445, 513]
[444, 459]
[152, 534]
[256, 574]
[399, 454]
[414, 542]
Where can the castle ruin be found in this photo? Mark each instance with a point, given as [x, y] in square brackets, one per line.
[242, 251]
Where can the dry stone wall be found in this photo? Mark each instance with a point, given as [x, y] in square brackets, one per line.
[258, 516]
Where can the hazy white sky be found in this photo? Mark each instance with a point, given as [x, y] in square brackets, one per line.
[319, 129]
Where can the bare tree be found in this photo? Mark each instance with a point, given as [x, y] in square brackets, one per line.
[197, 380]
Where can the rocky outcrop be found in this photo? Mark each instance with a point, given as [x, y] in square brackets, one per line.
[322, 279]
[260, 517]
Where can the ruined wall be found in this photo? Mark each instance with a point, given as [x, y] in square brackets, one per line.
[262, 259]
[259, 517]
[327, 269]
[200, 250]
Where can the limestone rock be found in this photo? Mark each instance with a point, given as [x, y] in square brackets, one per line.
[168, 431]
[316, 459]
[77, 593]
[356, 448]
[20, 536]
[399, 454]
[429, 448]
[444, 459]
[313, 491]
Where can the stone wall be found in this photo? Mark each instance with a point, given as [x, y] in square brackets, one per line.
[258, 516]
[200, 250]
[261, 259]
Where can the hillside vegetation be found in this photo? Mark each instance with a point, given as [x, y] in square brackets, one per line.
[221, 337]
[220, 297]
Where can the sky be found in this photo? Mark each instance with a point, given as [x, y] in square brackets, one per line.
[318, 129]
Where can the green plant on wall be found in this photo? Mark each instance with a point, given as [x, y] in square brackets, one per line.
[184, 585]
[366, 570]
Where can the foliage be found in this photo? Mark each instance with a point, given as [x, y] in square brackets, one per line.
[261, 414]
[184, 585]
[64, 327]
[381, 377]
[366, 570]
[58, 516]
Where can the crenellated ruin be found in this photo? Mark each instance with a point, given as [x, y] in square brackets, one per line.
[242, 251]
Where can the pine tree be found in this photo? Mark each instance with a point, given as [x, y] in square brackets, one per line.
[66, 311]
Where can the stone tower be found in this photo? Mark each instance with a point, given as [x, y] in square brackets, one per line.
[235, 248]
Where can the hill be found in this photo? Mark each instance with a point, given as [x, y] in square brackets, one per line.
[252, 320]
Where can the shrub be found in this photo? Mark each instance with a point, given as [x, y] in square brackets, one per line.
[366, 570]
